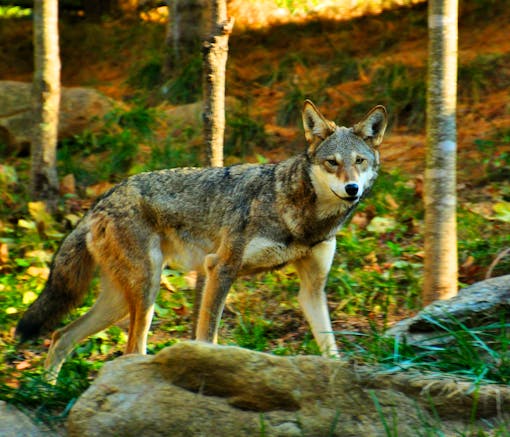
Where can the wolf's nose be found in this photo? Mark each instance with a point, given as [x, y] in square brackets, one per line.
[351, 189]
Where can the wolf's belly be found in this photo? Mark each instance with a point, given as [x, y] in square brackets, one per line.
[264, 254]
[260, 254]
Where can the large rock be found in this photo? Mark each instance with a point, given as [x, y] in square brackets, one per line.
[479, 304]
[191, 114]
[198, 389]
[80, 108]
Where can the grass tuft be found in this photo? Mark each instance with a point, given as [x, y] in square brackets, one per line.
[479, 354]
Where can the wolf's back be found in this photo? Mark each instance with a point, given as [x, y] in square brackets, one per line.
[70, 275]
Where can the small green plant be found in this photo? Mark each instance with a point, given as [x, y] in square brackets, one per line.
[110, 153]
[402, 89]
[483, 74]
[49, 403]
[185, 85]
[286, 68]
[251, 332]
[174, 303]
[346, 68]
[172, 152]
[297, 91]
[391, 430]
[481, 240]
[496, 157]
[262, 422]
[149, 75]
[298, 87]
[244, 133]
[290, 110]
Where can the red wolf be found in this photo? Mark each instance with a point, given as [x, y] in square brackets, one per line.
[220, 222]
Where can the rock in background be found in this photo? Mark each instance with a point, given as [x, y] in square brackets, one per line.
[199, 389]
[477, 305]
[80, 108]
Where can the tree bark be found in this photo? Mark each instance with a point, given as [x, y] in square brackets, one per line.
[46, 103]
[215, 61]
[440, 275]
[185, 31]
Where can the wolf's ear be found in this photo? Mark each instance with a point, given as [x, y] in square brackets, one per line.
[317, 127]
[373, 125]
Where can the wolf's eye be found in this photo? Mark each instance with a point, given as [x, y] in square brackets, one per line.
[332, 162]
[360, 160]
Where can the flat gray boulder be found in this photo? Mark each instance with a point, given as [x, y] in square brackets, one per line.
[199, 389]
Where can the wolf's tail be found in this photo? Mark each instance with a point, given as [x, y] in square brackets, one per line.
[71, 272]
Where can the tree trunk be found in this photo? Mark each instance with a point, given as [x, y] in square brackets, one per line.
[185, 31]
[215, 61]
[46, 103]
[440, 281]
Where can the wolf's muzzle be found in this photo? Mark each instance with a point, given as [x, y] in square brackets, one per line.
[352, 189]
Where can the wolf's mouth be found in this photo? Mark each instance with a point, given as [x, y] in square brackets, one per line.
[350, 199]
[346, 199]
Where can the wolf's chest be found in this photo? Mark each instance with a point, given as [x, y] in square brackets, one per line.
[262, 253]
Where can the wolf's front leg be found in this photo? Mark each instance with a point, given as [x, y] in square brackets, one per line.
[313, 272]
[199, 288]
[220, 275]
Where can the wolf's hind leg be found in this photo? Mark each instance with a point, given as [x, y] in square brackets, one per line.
[129, 253]
[313, 272]
[110, 307]
[142, 287]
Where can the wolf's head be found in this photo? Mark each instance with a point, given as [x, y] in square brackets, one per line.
[344, 160]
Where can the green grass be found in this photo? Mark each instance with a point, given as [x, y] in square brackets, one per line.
[46, 402]
[486, 73]
[346, 68]
[296, 92]
[149, 74]
[94, 157]
[478, 354]
[402, 89]
[185, 84]
[243, 134]
[251, 332]
[496, 157]
[126, 144]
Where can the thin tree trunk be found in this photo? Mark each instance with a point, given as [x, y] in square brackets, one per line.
[440, 281]
[46, 103]
[185, 31]
[215, 61]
